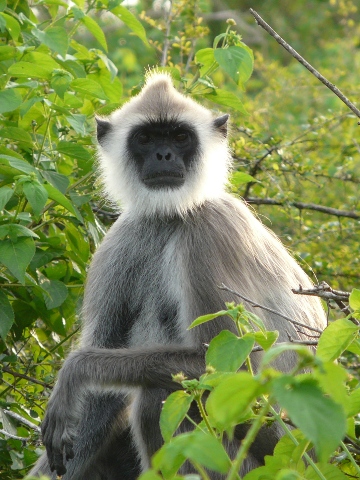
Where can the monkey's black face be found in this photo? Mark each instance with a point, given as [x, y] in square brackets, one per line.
[163, 153]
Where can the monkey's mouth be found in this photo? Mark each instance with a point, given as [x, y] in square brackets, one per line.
[164, 179]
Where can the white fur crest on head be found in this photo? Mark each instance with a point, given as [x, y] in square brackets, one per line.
[160, 100]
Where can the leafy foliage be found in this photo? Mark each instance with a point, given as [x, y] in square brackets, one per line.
[58, 66]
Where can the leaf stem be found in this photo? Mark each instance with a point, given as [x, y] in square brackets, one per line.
[247, 442]
[295, 441]
[350, 457]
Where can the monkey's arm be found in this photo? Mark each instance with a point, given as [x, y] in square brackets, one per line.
[146, 367]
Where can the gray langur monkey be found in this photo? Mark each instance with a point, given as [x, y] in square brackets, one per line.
[166, 159]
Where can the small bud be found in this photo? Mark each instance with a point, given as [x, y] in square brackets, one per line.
[210, 369]
[231, 21]
[179, 377]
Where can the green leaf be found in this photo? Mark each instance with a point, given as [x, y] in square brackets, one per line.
[18, 135]
[150, 475]
[207, 318]
[55, 293]
[230, 399]
[74, 150]
[173, 413]
[353, 406]
[12, 26]
[240, 178]
[7, 52]
[227, 352]
[10, 100]
[78, 123]
[58, 197]
[36, 195]
[78, 243]
[237, 61]
[88, 87]
[206, 59]
[202, 448]
[94, 28]
[207, 450]
[228, 99]
[16, 255]
[60, 81]
[43, 60]
[14, 230]
[277, 350]
[57, 180]
[266, 339]
[26, 69]
[131, 21]
[354, 299]
[56, 38]
[6, 315]
[304, 402]
[335, 338]
[5, 194]
[330, 472]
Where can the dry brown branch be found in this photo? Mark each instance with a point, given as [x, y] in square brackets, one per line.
[324, 291]
[306, 64]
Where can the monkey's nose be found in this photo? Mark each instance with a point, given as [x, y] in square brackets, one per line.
[160, 156]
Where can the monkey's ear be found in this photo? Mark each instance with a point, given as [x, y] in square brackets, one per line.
[220, 124]
[103, 128]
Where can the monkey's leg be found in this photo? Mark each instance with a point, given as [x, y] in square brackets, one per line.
[145, 417]
[103, 446]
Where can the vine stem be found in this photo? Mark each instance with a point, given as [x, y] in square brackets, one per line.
[203, 415]
[350, 457]
[247, 442]
[305, 63]
[295, 441]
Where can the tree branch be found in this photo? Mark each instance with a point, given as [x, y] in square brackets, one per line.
[25, 377]
[306, 64]
[303, 206]
[324, 291]
[15, 437]
[22, 420]
[254, 304]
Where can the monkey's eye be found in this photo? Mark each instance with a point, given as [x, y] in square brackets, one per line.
[144, 138]
[181, 137]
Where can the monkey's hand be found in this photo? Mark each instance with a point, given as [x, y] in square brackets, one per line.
[60, 423]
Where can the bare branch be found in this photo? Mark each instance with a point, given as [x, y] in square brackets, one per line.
[22, 420]
[324, 291]
[15, 437]
[25, 377]
[303, 206]
[166, 47]
[306, 64]
[254, 304]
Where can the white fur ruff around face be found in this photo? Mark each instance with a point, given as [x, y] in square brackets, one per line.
[159, 100]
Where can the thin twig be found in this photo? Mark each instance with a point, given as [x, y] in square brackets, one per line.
[303, 206]
[306, 64]
[324, 291]
[25, 377]
[166, 47]
[254, 304]
[22, 420]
